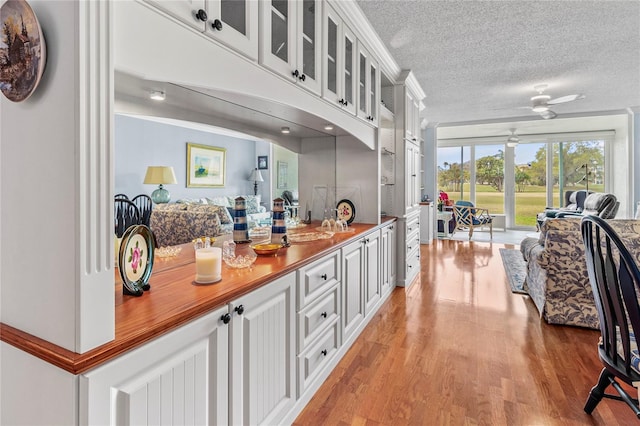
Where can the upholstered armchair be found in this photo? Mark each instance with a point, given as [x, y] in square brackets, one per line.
[598, 204]
[467, 216]
[574, 203]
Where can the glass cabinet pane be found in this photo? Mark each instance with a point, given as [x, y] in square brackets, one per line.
[233, 13]
[332, 54]
[362, 82]
[373, 82]
[348, 70]
[279, 29]
[308, 38]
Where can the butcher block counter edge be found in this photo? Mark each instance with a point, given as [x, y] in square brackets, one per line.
[175, 300]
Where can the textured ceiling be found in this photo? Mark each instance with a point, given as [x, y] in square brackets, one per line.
[479, 60]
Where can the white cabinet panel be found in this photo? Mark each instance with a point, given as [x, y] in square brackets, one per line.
[372, 271]
[368, 81]
[179, 378]
[263, 354]
[387, 259]
[312, 361]
[317, 316]
[191, 12]
[315, 278]
[352, 280]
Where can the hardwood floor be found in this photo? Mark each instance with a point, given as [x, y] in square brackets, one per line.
[459, 348]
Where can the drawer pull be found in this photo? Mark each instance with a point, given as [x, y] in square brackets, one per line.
[324, 352]
[410, 266]
[239, 309]
[391, 227]
[409, 247]
[225, 318]
[323, 315]
[410, 229]
[323, 276]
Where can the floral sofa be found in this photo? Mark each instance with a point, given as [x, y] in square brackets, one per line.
[557, 278]
[187, 219]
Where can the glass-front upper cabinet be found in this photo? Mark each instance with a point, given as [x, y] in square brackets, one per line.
[290, 42]
[235, 23]
[338, 60]
[368, 80]
[232, 22]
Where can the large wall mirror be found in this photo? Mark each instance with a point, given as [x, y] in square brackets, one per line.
[291, 150]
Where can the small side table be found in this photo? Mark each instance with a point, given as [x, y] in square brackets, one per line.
[445, 217]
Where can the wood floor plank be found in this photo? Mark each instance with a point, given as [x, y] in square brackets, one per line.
[458, 348]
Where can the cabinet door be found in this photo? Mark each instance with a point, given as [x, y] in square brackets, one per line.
[412, 186]
[278, 40]
[352, 284]
[332, 57]
[372, 271]
[364, 79]
[409, 117]
[188, 11]
[374, 90]
[262, 356]
[308, 44]
[387, 259]
[349, 83]
[237, 25]
[179, 378]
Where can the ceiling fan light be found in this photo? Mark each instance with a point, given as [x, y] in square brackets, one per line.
[512, 144]
[540, 108]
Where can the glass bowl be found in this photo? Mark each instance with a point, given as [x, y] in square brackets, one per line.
[240, 261]
[168, 251]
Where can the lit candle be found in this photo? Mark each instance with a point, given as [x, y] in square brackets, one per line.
[208, 265]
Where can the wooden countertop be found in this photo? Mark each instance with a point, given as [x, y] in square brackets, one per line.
[175, 300]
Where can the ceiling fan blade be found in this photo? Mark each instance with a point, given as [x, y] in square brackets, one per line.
[563, 99]
[548, 114]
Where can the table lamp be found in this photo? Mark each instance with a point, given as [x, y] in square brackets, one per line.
[160, 175]
[255, 177]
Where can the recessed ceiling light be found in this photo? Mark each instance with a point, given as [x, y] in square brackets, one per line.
[285, 130]
[328, 126]
[157, 95]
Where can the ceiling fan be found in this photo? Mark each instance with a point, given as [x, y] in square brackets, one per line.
[512, 141]
[541, 103]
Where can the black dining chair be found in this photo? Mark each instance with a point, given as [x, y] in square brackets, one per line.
[121, 197]
[615, 281]
[145, 205]
[125, 215]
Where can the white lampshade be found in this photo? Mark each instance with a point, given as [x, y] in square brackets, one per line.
[255, 176]
[160, 175]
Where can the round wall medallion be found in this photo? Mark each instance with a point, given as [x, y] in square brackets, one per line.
[23, 52]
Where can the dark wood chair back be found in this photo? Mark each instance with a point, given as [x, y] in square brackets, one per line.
[125, 215]
[145, 205]
[615, 281]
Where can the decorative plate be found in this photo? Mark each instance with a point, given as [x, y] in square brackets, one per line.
[23, 65]
[136, 259]
[346, 211]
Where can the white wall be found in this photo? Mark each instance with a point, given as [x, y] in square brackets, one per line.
[140, 143]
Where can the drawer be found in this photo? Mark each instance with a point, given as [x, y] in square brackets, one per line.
[312, 361]
[315, 318]
[413, 239]
[413, 262]
[413, 223]
[316, 278]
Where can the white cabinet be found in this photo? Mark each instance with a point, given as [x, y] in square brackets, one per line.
[426, 223]
[360, 280]
[387, 258]
[232, 22]
[179, 378]
[368, 86]
[262, 360]
[412, 119]
[412, 176]
[290, 40]
[408, 248]
[352, 288]
[338, 61]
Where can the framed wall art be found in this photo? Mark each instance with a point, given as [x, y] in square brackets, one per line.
[282, 174]
[206, 165]
[23, 52]
[263, 162]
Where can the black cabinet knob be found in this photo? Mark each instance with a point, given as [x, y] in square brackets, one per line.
[225, 318]
[409, 248]
[302, 77]
[201, 15]
[216, 25]
[366, 240]
[323, 315]
[239, 309]
[410, 266]
[324, 352]
[295, 73]
[323, 276]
